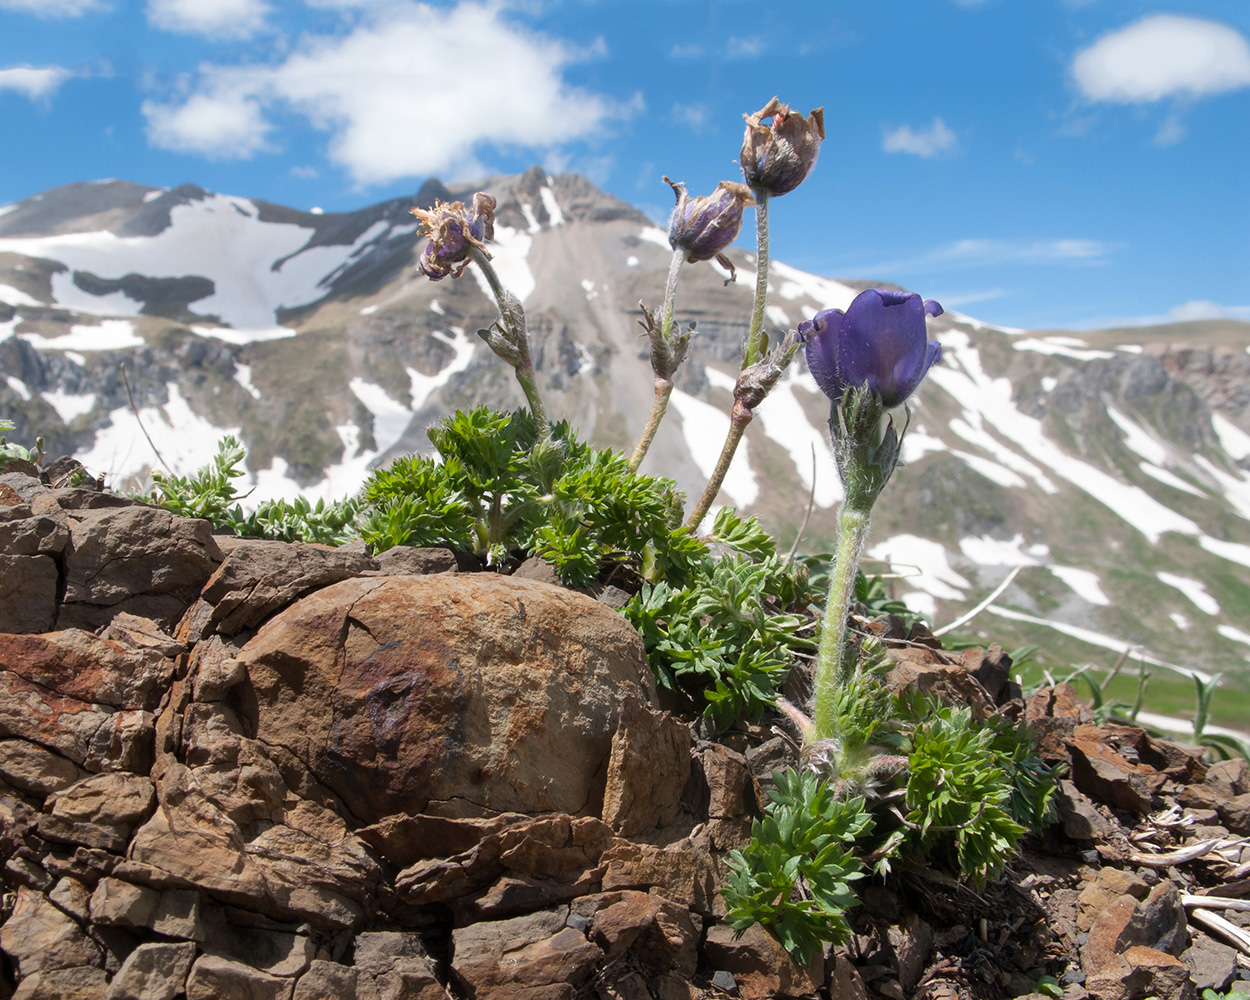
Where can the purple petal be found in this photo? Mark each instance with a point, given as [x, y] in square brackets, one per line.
[823, 333]
[933, 308]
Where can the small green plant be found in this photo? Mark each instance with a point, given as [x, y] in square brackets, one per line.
[9, 451]
[1049, 986]
[795, 875]
[725, 640]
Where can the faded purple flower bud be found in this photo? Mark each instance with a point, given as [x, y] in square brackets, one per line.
[879, 342]
[777, 157]
[705, 227]
[452, 230]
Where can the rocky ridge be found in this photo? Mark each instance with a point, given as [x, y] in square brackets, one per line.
[237, 768]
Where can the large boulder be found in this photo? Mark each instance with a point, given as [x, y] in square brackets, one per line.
[459, 694]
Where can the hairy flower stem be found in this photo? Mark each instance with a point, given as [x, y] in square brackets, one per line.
[834, 669]
[739, 417]
[512, 322]
[663, 383]
[752, 352]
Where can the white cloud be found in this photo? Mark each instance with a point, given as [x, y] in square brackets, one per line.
[694, 116]
[1186, 312]
[223, 123]
[36, 82]
[1162, 56]
[744, 48]
[219, 19]
[397, 95]
[53, 8]
[1170, 132]
[938, 138]
[983, 252]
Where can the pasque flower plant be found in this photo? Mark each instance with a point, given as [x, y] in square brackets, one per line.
[868, 361]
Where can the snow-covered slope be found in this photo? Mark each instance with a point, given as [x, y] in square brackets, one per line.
[1109, 472]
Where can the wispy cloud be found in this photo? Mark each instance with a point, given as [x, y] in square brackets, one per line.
[1186, 312]
[937, 138]
[693, 116]
[392, 95]
[987, 252]
[1162, 56]
[215, 19]
[744, 48]
[954, 300]
[53, 8]
[36, 82]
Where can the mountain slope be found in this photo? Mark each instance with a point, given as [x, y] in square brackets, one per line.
[1109, 469]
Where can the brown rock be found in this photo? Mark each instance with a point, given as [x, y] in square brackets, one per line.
[648, 769]
[912, 941]
[845, 982]
[259, 578]
[473, 691]
[27, 529]
[1235, 814]
[40, 936]
[1103, 774]
[1108, 886]
[1057, 702]
[1229, 777]
[214, 978]
[1079, 815]
[1182, 762]
[1158, 921]
[35, 770]
[950, 683]
[100, 811]
[404, 560]
[28, 585]
[124, 552]
[655, 933]
[682, 873]
[762, 967]
[535, 957]
[732, 789]
[153, 972]
[82, 983]
[1141, 972]
[992, 670]
[331, 981]
[77, 664]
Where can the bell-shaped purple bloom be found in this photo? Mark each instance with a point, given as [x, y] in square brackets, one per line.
[705, 227]
[879, 342]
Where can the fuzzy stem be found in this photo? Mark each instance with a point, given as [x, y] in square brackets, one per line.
[663, 384]
[752, 352]
[512, 318]
[831, 670]
[738, 420]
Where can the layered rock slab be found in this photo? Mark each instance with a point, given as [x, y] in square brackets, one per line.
[461, 695]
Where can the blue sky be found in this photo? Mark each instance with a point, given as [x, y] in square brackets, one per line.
[1034, 163]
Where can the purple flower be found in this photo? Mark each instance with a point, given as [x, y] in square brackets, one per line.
[704, 227]
[879, 342]
[452, 230]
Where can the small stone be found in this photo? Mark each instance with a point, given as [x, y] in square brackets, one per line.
[724, 981]
[214, 978]
[79, 983]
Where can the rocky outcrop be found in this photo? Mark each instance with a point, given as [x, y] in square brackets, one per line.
[307, 773]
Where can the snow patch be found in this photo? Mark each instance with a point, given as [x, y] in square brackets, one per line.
[1234, 440]
[704, 428]
[1236, 634]
[368, 310]
[1097, 639]
[18, 386]
[588, 287]
[936, 577]
[987, 551]
[16, 297]
[917, 443]
[111, 335]
[992, 471]
[1084, 583]
[552, 206]
[436, 308]
[1138, 439]
[632, 262]
[69, 405]
[653, 234]
[1179, 620]
[508, 254]
[794, 284]
[231, 335]
[8, 328]
[1168, 479]
[243, 375]
[991, 399]
[783, 419]
[1048, 383]
[530, 218]
[153, 195]
[1236, 489]
[1068, 347]
[1232, 551]
[778, 316]
[1195, 590]
[185, 440]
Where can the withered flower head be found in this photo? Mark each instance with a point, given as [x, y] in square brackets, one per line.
[778, 156]
[704, 227]
[452, 230]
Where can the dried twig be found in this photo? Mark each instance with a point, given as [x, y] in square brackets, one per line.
[1225, 928]
[969, 615]
[134, 408]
